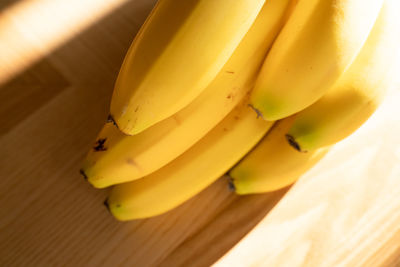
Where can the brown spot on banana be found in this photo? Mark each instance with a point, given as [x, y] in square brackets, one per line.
[99, 145]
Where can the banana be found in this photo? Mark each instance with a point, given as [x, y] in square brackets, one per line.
[273, 164]
[315, 47]
[193, 171]
[177, 53]
[117, 158]
[357, 94]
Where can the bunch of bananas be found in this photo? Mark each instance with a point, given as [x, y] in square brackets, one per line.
[259, 89]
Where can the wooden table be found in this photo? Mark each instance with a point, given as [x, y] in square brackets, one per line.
[58, 62]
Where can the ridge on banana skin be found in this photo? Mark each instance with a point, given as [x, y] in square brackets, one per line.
[125, 158]
[191, 172]
[316, 46]
[179, 50]
[356, 96]
[273, 164]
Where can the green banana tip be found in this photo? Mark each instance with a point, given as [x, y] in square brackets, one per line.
[82, 172]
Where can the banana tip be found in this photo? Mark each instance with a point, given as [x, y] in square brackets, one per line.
[259, 114]
[110, 119]
[106, 204]
[231, 185]
[292, 141]
[82, 172]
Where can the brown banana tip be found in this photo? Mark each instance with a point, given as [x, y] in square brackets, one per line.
[231, 185]
[106, 204]
[293, 142]
[259, 114]
[110, 119]
[82, 172]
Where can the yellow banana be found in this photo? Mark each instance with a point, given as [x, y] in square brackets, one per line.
[118, 158]
[177, 53]
[273, 163]
[315, 47]
[193, 171]
[357, 94]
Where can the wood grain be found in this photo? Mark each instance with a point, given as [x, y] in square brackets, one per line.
[56, 95]
[41, 83]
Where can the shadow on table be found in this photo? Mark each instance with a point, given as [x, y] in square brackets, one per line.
[216, 238]
[6, 3]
